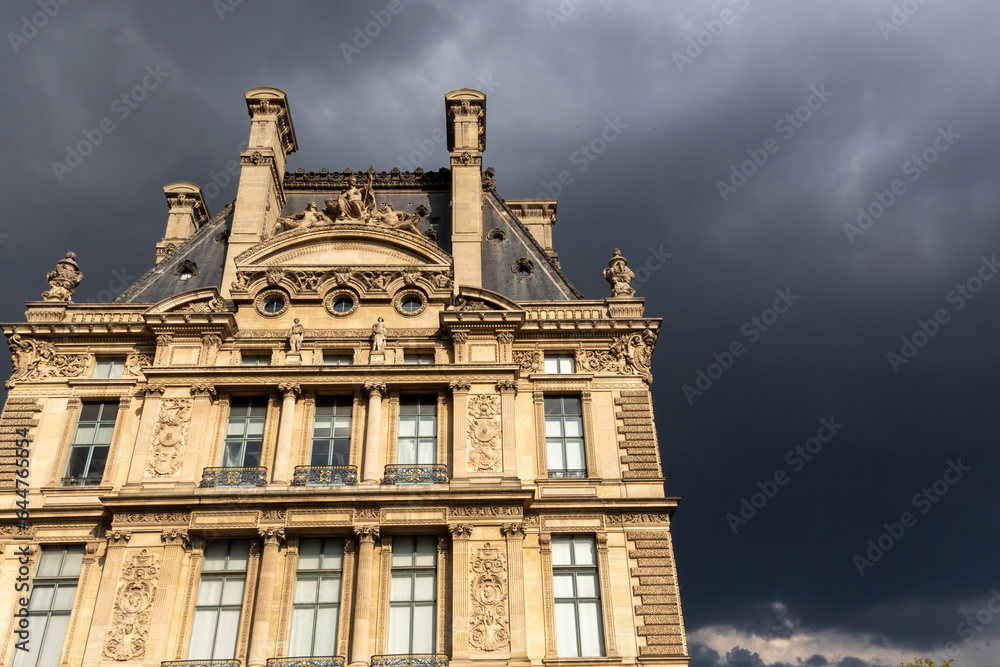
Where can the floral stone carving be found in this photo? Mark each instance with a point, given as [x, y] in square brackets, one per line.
[489, 625]
[629, 354]
[133, 608]
[166, 452]
[38, 359]
[485, 450]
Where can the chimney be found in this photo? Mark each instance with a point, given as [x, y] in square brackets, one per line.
[188, 213]
[465, 115]
[539, 216]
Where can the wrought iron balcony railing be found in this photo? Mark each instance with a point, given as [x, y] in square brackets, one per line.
[234, 477]
[568, 473]
[410, 660]
[324, 475]
[327, 661]
[200, 663]
[81, 481]
[415, 474]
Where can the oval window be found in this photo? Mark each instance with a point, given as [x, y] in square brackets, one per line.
[274, 304]
[342, 304]
[411, 304]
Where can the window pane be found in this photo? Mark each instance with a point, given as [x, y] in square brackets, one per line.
[591, 635]
[232, 592]
[65, 593]
[426, 552]
[565, 630]
[575, 460]
[109, 411]
[573, 427]
[423, 629]
[202, 634]
[72, 562]
[255, 428]
[427, 427]
[402, 552]
[586, 585]
[305, 590]
[98, 456]
[300, 638]
[561, 551]
[49, 562]
[239, 552]
[89, 412]
[116, 369]
[406, 451]
[55, 636]
[320, 453]
[225, 637]
[309, 554]
[209, 592]
[329, 589]
[562, 585]
[326, 631]
[41, 598]
[553, 428]
[551, 365]
[407, 427]
[401, 588]
[215, 556]
[29, 658]
[554, 454]
[583, 551]
[423, 587]
[399, 630]
[85, 434]
[333, 558]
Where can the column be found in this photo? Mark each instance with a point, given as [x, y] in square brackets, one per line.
[508, 390]
[115, 554]
[283, 450]
[363, 600]
[460, 534]
[371, 473]
[459, 427]
[166, 590]
[514, 532]
[257, 654]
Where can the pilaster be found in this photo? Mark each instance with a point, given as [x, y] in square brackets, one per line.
[514, 532]
[371, 472]
[113, 557]
[460, 534]
[508, 392]
[460, 458]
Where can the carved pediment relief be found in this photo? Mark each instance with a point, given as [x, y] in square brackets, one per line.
[206, 300]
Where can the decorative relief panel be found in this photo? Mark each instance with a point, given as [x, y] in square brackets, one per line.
[528, 360]
[489, 625]
[485, 447]
[133, 608]
[166, 451]
[38, 359]
[629, 354]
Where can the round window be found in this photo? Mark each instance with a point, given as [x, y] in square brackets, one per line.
[186, 275]
[342, 304]
[273, 304]
[410, 304]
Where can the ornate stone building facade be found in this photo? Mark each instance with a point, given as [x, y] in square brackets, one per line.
[352, 418]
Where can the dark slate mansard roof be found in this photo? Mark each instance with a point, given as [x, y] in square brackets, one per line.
[406, 191]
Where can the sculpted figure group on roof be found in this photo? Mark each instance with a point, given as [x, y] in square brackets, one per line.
[355, 205]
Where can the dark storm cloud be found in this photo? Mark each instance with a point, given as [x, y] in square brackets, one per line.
[744, 112]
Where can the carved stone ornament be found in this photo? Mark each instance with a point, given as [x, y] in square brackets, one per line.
[166, 450]
[37, 360]
[213, 305]
[629, 354]
[134, 363]
[133, 608]
[272, 535]
[204, 389]
[375, 388]
[379, 334]
[460, 531]
[528, 360]
[460, 385]
[485, 448]
[63, 280]
[118, 537]
[619, 275]
[489, 625]
[179, 537]
[489, 183]
[504, 386]
[367, 533]
[512, 530]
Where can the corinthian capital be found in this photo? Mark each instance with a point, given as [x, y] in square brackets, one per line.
[290, 388]
[375, 389]
[272, 535]
[367, 533]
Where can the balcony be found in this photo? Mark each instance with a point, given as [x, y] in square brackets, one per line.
[568, 473]
[89, 480]
[415, 474]
[324, 475]
[410, 660]
[212, 477]
[328, 661]
[200, 663]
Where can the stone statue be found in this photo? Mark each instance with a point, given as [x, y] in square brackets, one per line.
[310, 217]
[619, 275]
[398, 219]
[379, 332]
[295, 335]
[353, 204]
[63, 280]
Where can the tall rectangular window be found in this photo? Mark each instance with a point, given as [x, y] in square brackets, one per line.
[316, 605]
[52, 592]
[109, 367]
[245, 432]
[220, 600]
[560, 362]
[564, 450]
[412, 595]
[255, 359]
[331, 439]
[91, 440]
[417, 440]
[576, 588]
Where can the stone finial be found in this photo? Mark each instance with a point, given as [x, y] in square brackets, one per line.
[63, 280]
[619, 276]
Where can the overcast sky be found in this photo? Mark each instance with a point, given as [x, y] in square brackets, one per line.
[739, 137]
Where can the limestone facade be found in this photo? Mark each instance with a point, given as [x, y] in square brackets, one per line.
[449, 412]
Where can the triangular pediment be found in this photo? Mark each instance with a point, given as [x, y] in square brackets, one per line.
[344, 244]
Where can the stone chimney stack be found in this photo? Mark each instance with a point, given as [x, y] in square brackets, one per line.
[539, 216]
[188, 213]
[465, 114]
[260, 196]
